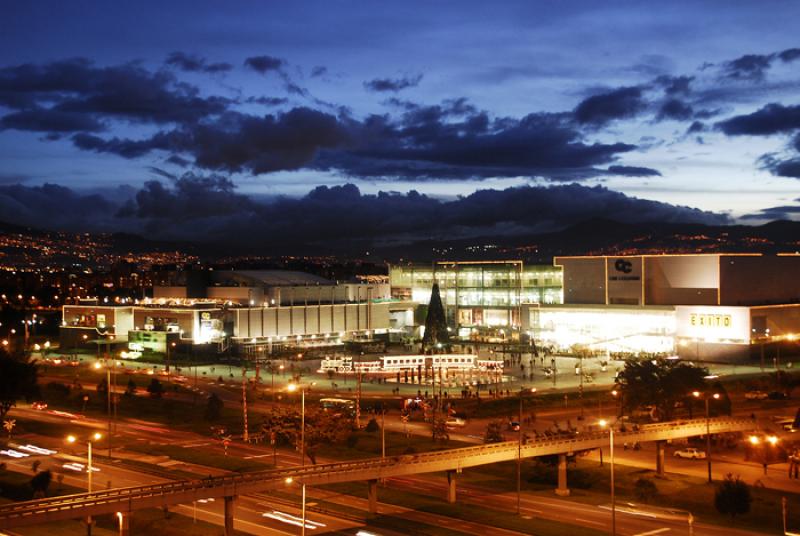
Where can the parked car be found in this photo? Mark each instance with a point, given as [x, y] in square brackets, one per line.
[755, 395]
[777, 395]
[513, 426]
[39, 405]
[455, 422]
[690, 453]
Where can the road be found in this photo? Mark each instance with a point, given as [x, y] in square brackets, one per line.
[250, 518]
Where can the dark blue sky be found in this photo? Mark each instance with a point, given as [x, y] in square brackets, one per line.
[684, 103]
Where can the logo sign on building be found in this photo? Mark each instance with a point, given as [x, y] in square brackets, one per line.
[624, 280]
[713, 324]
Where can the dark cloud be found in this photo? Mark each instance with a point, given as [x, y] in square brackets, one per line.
[76, 96]
[784, 212]
[633, 171]
[675, 85]
[264, 64]
[773, 118]
[393, 84]
[121, 147]
[790, 54]
[193, 63]
[453, 140]
[207, 209]
[53, 206]
[601, 109]
[675, 109]
[781, 167]
[751, 67]
[319, 71]
[268, 101]
[696, 127]
[13, 178]
[44, 120]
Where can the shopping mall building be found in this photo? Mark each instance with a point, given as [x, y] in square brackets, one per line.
[707, 307]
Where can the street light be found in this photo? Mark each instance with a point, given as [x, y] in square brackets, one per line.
[292, 387]
[289, 480]
[603, 424]
[97, 436]
[705, 396]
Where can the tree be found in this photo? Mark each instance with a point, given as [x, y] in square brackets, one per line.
[435, 322]
[494, 433]
[733, 496]
[439, 430]
[214, 407]
[645, 489]
[131, 389]
[102, 388]
[40, 482]
[18, 379]
[156, 389]
[660, 383]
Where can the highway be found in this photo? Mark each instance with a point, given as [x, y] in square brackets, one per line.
[169, 493]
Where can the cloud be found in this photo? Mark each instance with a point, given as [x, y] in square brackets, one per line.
[633, 171]
[675, 85]
[13, 178]
[264, 64]
[268, 101]
[43, 120]
[675, 109]
[601, 109]
[774, 118]
[76, 96]
[784, 212]
[790, 54]
[56, 207]
[319, 71]
[393, 84]
[781, 167]
[751, 67]
[206, 208]
[192, 63]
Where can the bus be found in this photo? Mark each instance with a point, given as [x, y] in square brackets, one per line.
[338, 406]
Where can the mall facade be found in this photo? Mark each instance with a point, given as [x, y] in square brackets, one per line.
[710, 307]
[480, 298]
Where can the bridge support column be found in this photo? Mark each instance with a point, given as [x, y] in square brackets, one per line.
[660, 456]
[372, 494]
[562, 488]
[451, 487]
[125, 524]
[230, 510]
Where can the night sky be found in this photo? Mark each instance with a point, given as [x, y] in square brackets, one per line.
[268, 122]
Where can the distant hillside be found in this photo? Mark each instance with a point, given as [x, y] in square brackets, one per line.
[592, 237]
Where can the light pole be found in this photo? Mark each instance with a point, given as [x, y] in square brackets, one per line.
[97, 436]
[289, 480]
[603, 423]
[292, 387]
[715, 396]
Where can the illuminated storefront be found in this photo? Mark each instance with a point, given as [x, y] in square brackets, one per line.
[478, 295]
[602, 330]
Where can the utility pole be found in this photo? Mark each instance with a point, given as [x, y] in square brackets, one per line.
[245, 435]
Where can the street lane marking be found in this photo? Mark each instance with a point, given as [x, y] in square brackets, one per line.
[590, 521]
[652, 532]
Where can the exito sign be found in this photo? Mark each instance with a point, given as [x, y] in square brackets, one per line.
[707, 320]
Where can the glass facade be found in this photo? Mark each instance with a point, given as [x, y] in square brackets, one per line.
[479, 294]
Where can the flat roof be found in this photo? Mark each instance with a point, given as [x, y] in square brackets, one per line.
[275, 278]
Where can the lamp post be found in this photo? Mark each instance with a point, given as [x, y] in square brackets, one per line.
[715, 396]
[289, 480]
[603, 424]
[89, 469]
[769, 441]
[292, 387]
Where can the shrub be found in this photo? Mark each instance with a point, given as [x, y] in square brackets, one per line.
[644, 489]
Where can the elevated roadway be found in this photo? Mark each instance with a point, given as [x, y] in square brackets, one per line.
[229, 487]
